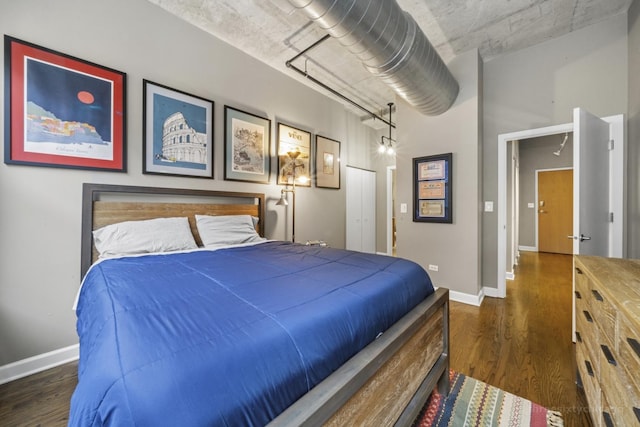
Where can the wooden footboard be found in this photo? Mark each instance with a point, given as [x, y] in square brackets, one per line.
[388, 382]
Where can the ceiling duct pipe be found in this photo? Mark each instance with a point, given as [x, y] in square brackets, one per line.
[391, 46]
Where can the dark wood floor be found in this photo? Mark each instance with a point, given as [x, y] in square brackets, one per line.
[521, 344]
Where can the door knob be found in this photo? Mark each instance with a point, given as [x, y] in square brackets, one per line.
[582, 237]
[542, 211]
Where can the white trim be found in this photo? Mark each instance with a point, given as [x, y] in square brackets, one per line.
[618, 186]
[390, 170]
[41, 362]
[491, 292]
[503, 139]
[510, 275]
[467, 298]
[528, 248]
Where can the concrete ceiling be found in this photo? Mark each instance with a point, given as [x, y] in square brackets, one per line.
[274, 31]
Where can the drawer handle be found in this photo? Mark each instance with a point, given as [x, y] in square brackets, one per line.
[637, 412]
[635, 345]
[597, 295]
[589, 368]
[608, 355]
[578, 337]
[607, 419]
[578, 296]
[588, 316]
[578, 270]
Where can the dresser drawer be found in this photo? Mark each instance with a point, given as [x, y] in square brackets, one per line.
[603, 313]
[590, 384]
[629, 351]
[605, 418]
[589, 335]
[582, 288]
[617, 386]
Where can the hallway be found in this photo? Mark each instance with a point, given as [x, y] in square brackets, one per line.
[522, 343]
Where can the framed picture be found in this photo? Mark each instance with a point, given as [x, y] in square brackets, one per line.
[177, 130]
[61, 111]
[432, 185]
[327, 163]
[293, 140]
[247, 146]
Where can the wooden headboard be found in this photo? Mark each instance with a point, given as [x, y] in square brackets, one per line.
[104, 204]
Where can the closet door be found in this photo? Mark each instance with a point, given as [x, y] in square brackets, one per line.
[361, 210]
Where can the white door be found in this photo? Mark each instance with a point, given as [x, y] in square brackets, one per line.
[361, 210]
[591, 190]
[354, 209]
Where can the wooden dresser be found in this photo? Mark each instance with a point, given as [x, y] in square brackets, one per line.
[607, 298]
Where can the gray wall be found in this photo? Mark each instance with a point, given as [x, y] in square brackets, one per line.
[455, 247]
[535, 154]
[539, 86]
[633, 137]
[40, 207]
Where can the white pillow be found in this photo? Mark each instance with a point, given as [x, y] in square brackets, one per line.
[137, 237]
[227, 229]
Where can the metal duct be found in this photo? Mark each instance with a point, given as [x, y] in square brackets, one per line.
[391, 46]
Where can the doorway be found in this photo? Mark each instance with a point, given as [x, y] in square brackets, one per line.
[616, 195]
[391, 214]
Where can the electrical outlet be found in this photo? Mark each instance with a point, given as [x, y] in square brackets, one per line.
[433, 267]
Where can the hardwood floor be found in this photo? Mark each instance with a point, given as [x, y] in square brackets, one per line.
[521, 344]
[39, 400]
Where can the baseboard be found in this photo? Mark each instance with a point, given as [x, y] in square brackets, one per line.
[41, 362]
[528, 248]
[491, 292]
[467, 298]
[509, 275]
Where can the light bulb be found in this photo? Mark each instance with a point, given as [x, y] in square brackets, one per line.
[382, 148]
[391, 151]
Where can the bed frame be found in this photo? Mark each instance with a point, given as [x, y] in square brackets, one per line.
[386, 383]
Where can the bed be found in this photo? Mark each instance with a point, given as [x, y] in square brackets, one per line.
[365, 345]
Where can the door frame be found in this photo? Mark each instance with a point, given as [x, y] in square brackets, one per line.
[536, 196]
[617, 191]
[389, 227]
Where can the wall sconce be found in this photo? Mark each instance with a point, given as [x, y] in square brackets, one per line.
[386, 143]
[293, 155]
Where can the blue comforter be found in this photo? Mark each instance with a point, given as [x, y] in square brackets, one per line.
[228, 337]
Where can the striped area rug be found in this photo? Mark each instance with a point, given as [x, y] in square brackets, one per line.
[474, 403]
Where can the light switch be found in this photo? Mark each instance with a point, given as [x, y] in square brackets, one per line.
[403, 208]
[531, 205]
[488, 206]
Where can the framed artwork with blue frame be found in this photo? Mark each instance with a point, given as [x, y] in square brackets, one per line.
[62, 111]
[177, 132]
[432, 188]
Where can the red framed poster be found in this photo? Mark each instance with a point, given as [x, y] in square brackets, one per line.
[61, 111]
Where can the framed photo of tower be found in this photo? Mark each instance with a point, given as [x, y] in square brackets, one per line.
[177, 132]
